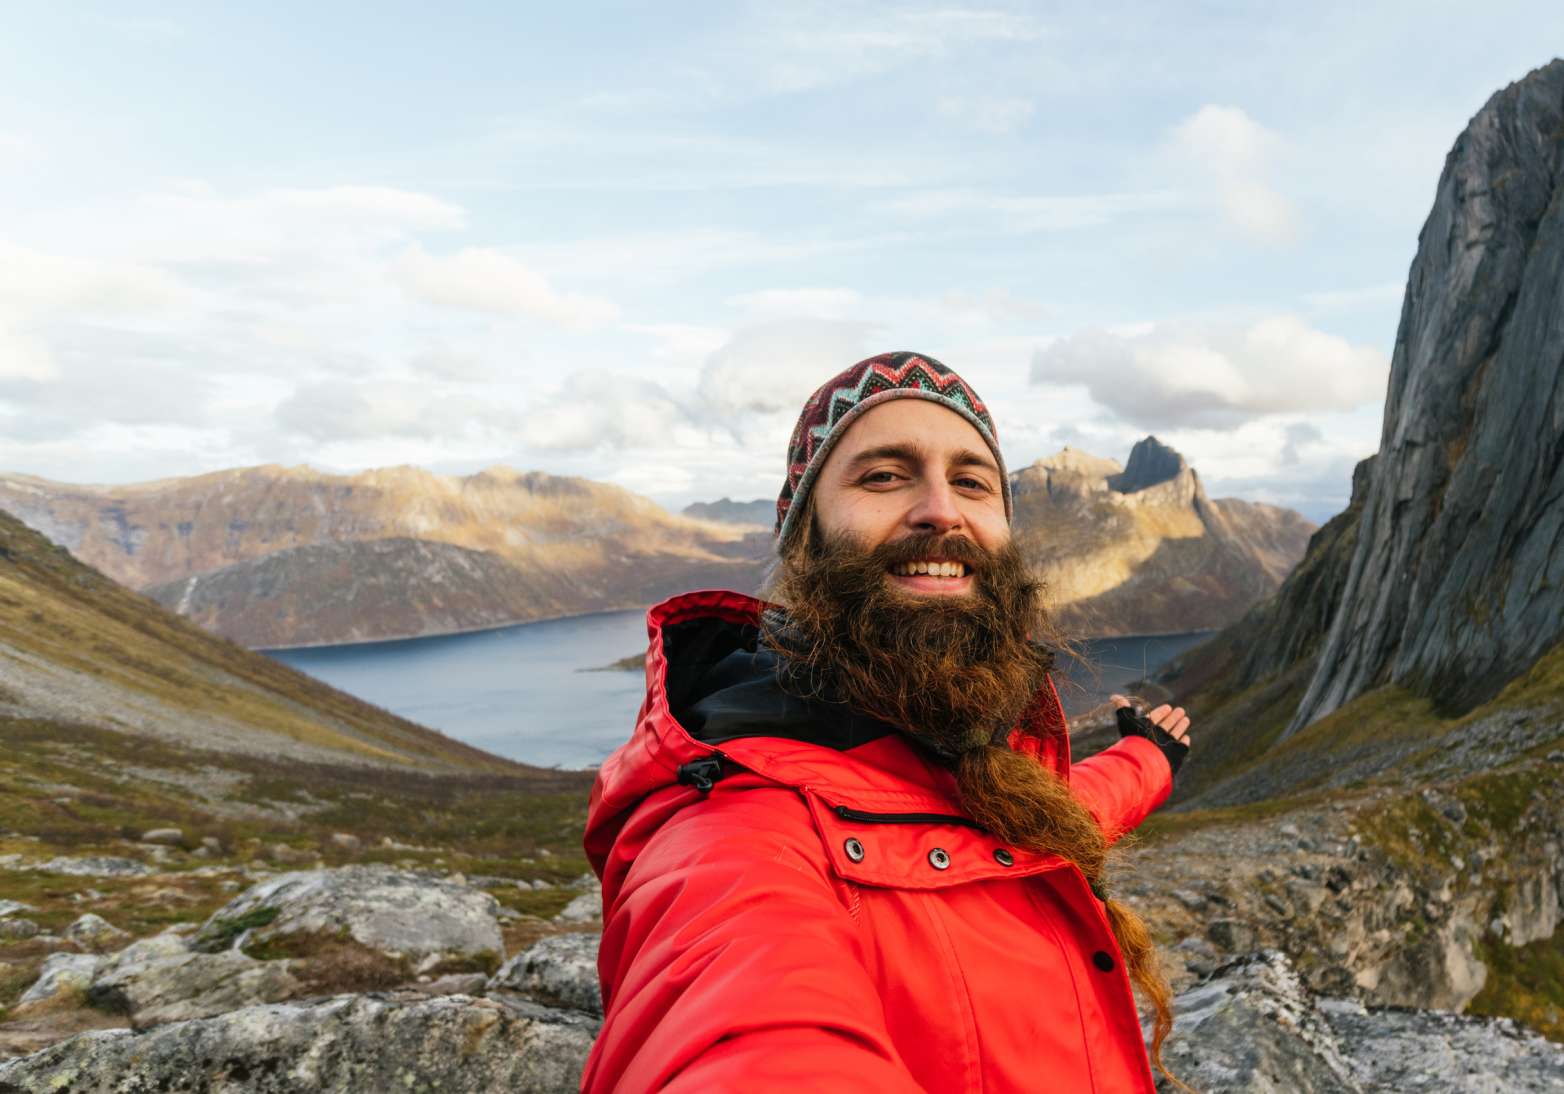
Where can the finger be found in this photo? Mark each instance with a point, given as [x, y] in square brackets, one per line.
[1157, 714]
[1118, 701]
[1165, 716]
[1181, 728]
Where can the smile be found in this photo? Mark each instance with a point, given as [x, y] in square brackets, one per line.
[932, 572]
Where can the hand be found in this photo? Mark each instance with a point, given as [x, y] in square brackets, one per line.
[1172, 720]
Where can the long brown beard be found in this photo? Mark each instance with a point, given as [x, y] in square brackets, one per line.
[955, 674]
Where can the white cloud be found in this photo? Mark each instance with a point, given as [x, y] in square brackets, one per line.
[795, 303]
[23, 357]
[773, 366]
[1233, 155]
[1185, 374]
[680, 343]
[486, 280]
[1296, 438]
[34, 282]
[336, 411]
[995, 116]
[595, 409]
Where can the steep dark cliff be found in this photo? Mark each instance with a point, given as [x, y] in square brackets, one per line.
[1456, 582]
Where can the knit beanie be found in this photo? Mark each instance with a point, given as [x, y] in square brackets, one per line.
[840, 400]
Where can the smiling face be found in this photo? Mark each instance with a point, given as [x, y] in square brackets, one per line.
[910, 468]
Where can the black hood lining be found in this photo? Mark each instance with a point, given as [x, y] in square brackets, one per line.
[722, 685]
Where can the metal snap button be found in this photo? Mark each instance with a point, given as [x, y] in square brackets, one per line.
[939, 859]
[854, 849]
[1004, 857]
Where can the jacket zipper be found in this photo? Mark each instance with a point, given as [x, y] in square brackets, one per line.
[905, 818]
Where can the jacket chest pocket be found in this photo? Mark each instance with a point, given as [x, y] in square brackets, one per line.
[915, 848]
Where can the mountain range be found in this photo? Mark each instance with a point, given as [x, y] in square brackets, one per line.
[275, 557]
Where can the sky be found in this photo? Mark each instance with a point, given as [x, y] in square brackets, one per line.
[625, 241]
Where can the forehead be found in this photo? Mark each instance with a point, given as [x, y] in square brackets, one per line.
[930, 426]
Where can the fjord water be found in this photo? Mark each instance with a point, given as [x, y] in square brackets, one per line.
[524, 692]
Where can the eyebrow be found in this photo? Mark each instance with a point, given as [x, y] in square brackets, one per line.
[911, 453]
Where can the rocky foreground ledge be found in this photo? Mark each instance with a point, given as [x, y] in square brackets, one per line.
[233, 1006]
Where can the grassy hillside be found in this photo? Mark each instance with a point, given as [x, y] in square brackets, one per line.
[138, 667]
[118, 717]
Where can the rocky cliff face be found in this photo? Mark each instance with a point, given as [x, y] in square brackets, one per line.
[1456, 580]
[273, 556]
[1141, 549]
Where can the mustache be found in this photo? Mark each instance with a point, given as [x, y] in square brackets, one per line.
[930, 545]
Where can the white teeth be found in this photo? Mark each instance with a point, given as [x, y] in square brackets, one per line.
[933, 569]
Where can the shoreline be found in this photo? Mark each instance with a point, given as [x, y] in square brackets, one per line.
[445, 633]
[454, 632]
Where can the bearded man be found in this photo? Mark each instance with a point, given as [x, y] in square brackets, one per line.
[845, 848]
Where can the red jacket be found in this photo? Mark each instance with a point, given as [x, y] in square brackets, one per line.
[787, 914]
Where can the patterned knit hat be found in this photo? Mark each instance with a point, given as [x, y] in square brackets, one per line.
[840, 400]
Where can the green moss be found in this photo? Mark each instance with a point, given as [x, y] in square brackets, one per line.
[1525, 983]
[222, 932]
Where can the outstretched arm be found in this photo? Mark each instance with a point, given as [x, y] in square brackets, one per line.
[1124, 783]
[730, 961]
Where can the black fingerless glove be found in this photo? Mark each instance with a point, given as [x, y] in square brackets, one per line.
[1132, 723]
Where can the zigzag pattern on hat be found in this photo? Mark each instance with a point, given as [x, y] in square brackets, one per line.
[837, 398]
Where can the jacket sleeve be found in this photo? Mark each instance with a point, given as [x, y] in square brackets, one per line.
[1122, 784]
[729, 962]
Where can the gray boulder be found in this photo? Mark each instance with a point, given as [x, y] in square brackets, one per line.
[174, 987]
[168, 837]
[94, 933]
[1254, 1027]
[346, 1044]
[63, 980]
[17, 929]
[586, 908]
[560, 970]
[94, 866]
[399, 913]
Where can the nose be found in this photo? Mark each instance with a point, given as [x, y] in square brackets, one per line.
[935, 509]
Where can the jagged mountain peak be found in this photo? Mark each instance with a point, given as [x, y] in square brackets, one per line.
[1151, 463]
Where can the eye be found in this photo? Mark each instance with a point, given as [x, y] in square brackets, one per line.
[878, 478]
[968, 482]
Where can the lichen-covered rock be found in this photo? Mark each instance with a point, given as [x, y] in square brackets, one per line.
[1413, 1050]
[64, 978]
[93, 866]
[175, 987]
[94, 933]
[586, 908]
[399, 913]
[1254, 1027]
[17, 929]
[346, 1044]
[560, 970]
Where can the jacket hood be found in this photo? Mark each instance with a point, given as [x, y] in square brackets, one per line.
[713, 707]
